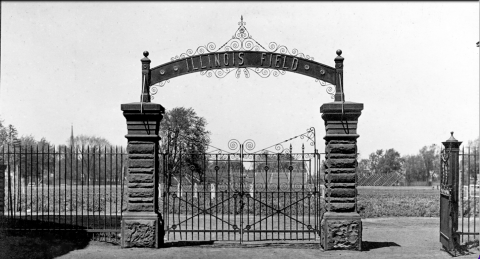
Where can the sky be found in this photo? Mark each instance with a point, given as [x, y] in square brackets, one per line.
[414, 66]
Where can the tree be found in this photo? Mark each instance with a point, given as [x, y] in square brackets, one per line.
[474, 143]
[390, 162]
[423, 166]
[90, 141]
[8, 140]
[184, 140]
[430, 160]
[470, 162]
[34, 160]
[8, 134]
[374, 159]
[413, 168]
[363, 167]
[94, 154]
[28, 168]
[382, 162]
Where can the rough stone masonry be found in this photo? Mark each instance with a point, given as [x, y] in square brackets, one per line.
[341, 224]
[142, 223]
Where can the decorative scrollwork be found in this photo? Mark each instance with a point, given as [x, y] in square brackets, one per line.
[249, 144]
[233, 144]
[239, 72]
[210, 47]
[445, 155]
[248, 156]
[445, 187]
[219, 73]
[266, 72]
[262, 72]
[280, 149]
[276, 48]
[241, 40]
[445, 190]
[309, 135]
[330, 89]
[154, 88]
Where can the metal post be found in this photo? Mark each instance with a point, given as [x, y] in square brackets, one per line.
[339, 94]
[449, 236]
[145, 97]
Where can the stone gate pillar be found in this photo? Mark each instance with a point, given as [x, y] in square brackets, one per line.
[142, 225]
[341, 224]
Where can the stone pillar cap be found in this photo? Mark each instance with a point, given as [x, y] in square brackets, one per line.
[451, 139]
[142, 106]
[347, 106]
[452, 142]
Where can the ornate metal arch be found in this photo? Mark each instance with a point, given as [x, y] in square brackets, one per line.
[242, 54]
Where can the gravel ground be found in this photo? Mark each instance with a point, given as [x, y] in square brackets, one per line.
[382, 238]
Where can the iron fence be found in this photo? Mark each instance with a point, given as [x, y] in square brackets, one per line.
[225, 196]
[65, 189]
[469, 192]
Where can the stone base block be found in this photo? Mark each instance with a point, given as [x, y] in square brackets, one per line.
[142, 230]
[341, 231]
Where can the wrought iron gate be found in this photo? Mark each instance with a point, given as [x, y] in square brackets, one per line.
[242, 195]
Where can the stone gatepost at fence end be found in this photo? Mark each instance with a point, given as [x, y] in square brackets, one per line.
[341, 225]
[142, 223]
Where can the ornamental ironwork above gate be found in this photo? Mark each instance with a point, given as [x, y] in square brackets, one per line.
[248, 146]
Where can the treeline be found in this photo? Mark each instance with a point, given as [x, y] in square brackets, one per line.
[423, 166]
[184, 138]
[83, 160]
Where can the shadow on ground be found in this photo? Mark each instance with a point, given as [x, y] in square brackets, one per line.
[248, 244]
[368, 245]
[46, 243]
[186, 243]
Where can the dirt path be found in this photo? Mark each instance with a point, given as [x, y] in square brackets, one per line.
[382, 238]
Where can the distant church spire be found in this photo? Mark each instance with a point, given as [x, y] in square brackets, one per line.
[71, 138]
